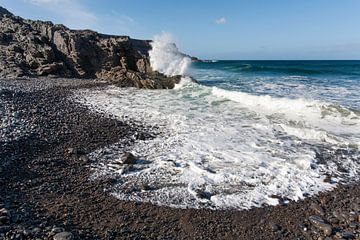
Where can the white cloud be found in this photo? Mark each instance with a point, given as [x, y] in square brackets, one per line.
[41, 2]
[70, 12]
[217, 21]
[122, 19]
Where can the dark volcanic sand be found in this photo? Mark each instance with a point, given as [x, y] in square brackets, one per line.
[45, 187]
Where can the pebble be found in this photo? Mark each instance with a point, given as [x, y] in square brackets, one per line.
[4, 219]
[348, 235]
[128, 158]
[84, 158]
[71, 151]
[275, 227]
[4, 229]
[317, 208]
[319, 223]
[63, 236]
[4, 212]
[36, 230]
[57, 230]
[16, 218]
[340, 216]
[27, 232]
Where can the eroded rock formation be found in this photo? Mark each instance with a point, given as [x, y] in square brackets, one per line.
[37, 48]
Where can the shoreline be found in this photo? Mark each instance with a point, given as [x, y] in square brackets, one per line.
[47, 190]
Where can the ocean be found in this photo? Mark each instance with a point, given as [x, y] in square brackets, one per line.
[246, 134]
[333, 81]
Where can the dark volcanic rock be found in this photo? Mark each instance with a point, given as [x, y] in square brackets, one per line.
[63, 236]
[321, 224]
[37, 48]
[128, 158]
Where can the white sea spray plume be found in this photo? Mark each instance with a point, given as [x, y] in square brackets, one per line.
[166, 58]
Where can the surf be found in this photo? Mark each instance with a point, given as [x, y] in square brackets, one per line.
[221, 148]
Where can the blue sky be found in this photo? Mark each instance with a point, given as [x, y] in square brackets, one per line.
[226, 29]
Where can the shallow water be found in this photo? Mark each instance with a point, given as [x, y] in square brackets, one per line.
[228, 144]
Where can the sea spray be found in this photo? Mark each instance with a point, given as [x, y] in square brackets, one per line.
[166, 58]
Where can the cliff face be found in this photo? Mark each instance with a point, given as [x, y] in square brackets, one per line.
[37, 48]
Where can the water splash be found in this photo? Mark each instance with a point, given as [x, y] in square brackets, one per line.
[166, 58]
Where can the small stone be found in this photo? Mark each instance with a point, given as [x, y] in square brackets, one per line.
[317, 208]
[16, 218]
[275, 227]
[27, 232]
[4, 212]
[84, 158]
[203, 194]
[348, 235]
[355, 206]
[71, 151]
[4, 229]
[57, 230]
[340, 216]
[319, 223]
[4, 219]
[63, 236]
[353, 225]
[352, 217]
[145, 187]
[36, 230]
[128, 158]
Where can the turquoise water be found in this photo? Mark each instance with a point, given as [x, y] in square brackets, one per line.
[331, 81]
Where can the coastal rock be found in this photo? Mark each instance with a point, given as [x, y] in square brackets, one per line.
[37, 48]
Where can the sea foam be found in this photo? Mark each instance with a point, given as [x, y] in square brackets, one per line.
[222, 149]
[217, 153]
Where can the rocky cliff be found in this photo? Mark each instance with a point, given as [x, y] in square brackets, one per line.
[37, 48]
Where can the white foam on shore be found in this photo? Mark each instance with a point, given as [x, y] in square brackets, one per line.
[220, 149]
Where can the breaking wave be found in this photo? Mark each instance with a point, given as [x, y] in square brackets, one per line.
[222, 149]
[225, 149]
[166, 58]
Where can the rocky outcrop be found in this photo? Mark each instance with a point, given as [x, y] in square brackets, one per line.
[37, 48]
